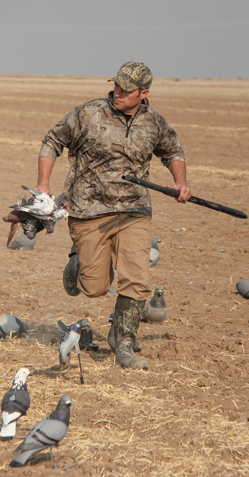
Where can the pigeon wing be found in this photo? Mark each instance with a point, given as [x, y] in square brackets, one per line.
[45, 434]
[15, 402]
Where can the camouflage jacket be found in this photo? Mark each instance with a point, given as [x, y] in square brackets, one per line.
[102, 148]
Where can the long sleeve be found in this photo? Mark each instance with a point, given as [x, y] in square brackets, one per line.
[169, 148]
[62, 135]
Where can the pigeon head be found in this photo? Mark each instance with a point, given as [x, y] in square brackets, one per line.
[64, 213]
[61, 214]
[155, 241]
[63, 403]
[77, 327]
[62, 411]
[159, 291]
[21, 376]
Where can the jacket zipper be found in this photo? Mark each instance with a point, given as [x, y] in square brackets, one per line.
[129, 126]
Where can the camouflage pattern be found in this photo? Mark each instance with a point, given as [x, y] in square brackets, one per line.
[132, 76]
[102, 148]
[127, 316]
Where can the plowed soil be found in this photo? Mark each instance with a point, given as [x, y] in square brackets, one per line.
[188, 414]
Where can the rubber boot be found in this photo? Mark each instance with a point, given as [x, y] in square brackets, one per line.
[127, 316]
[71, 273]
[111, 340]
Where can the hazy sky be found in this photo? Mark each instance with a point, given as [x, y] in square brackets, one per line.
[175, 38]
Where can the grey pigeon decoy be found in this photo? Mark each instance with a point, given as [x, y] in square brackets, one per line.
[68, 341]
[46, 434]
[111, 340]
[154, 251]
[22, 243]
[243, 288]
[10, 324]
[111, 290]
[156, 310]
[15, 403]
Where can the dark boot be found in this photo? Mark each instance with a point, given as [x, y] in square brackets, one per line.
[111, 340]
[71, 273]
[127, 316]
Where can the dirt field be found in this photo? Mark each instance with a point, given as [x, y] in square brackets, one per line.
[188, 415]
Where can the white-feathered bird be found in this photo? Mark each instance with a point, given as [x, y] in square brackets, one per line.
[15, 403]
[46, 434]
[41, 206]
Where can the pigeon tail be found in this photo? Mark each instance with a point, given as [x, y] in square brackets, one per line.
[8, 430]
[20, 460]
[32, 191]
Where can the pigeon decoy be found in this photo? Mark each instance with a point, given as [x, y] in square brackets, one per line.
[111, 340]
[46, 434]
[243, 288]
[156, 310]
[11, 325]
[22, 243]
[111, 290]
[154, 251]
[15, 403]
[78, 334]
[69, 340]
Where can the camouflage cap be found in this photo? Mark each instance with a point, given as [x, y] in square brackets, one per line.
[133, 75]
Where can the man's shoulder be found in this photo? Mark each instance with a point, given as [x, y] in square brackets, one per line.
[157, 117]
[153, 112]
[93, 104]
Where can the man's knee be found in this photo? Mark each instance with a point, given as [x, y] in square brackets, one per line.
[93, 288]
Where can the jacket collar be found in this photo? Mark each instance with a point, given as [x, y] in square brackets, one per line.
[142, 108]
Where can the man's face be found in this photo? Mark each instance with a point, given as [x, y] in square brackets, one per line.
[128, 102]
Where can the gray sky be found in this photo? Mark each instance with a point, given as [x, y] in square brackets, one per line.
[175, 38]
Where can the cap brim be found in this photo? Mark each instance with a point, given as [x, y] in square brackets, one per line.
[123, 84]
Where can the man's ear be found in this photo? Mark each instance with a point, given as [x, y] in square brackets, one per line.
[144, 94]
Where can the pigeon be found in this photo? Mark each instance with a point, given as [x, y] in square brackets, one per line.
[156, 310]
[11, 325]
[15, 403]
[39, 212]
[243, 288]
[111, 340]
[154, 251]
[41, 206]
[67, 343]
[46, 434]
[71, 337]
[22, 243]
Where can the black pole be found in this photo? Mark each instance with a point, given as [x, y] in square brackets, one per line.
[195, 200]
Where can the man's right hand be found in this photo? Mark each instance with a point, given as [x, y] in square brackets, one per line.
[43, 188]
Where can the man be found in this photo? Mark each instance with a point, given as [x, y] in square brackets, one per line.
[109, 218]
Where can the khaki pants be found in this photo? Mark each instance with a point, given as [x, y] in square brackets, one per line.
[118, 241]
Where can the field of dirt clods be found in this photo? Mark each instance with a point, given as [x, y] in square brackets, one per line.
[188, 414]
